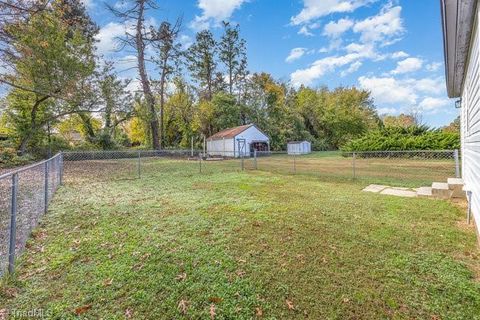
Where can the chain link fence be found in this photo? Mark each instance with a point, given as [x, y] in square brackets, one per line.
[25, 193]
[24, 197]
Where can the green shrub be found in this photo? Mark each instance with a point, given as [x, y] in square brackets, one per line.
[9, 158]
[411, 138]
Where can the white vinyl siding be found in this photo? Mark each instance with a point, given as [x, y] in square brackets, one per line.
[470, 129]
[301, 147]
[221, 147]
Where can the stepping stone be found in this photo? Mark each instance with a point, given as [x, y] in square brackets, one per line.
[424, 192]
[399, 193]
[441, 190]
[375, 188]
[456, 185]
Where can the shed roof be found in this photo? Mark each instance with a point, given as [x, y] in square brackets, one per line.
[232, 132]
[457, 21]
[295, 142]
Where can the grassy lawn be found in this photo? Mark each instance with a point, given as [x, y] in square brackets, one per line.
[240, 245]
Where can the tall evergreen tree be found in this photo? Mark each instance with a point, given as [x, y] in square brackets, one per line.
[232, 53]
[201, 58]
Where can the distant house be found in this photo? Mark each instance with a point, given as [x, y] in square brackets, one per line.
[238, 141]
[462, 62]
[299, 147]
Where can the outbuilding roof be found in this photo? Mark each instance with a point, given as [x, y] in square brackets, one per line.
[232, 132]
[295, 142]
[457, 21]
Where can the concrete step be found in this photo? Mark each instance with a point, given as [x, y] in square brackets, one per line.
[424, 192]
[399, 192]
[456, 186]
[441, 190]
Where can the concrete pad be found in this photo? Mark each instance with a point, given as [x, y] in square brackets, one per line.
[399, 193]
[400, 188]
[375, 188]
[441, 190]
[424, 192]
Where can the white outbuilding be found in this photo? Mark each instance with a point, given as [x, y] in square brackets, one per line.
[236, 142]
[299, 147]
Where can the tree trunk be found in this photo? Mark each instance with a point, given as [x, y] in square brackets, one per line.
[33, 126]
[149, 98]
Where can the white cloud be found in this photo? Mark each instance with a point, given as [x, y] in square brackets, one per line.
[305, 31]
[322, 66]
[88, 3]
[334, 45]
[295, 54]
[431, 104]
[382, 28]
[186, 41]
[426, 94]
[214, 11]
[434, 66]
[352, 68]
[335, 29]
[107, 35]
[355, 47]
[399, 55]
[389, 90]
[408, 65]
[387, 111]
[313, 9]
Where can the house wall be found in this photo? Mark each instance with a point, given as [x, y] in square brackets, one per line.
[222, 148]
[470, 124]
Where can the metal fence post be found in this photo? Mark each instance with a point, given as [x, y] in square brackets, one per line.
[294, 164]
[200, 162]
[353, 166]
[469, 204]
[457, 164]
[255, 159]
[60, 172]
[13, 224]
[139, 172]
[45, 186]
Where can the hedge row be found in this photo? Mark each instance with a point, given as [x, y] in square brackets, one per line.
[412, 138]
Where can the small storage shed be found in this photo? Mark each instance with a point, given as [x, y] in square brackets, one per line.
[299, 147]
[237, 142]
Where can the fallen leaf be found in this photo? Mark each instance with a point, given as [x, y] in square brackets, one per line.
[289, 304]
[212, 311]
[82, 309]
[107, 282]
[182, 306]
[241, 273]
[181, 276]
[3, 314]
[215, 299]
[258, 312]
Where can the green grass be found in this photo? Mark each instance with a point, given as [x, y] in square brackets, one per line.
[242, 243]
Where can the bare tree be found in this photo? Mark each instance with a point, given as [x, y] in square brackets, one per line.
[139, 40]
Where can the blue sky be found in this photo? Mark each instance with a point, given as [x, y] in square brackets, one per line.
[391, 47]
